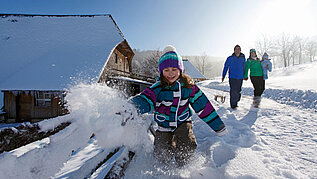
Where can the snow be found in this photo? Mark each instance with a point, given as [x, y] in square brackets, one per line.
[54, 52]
[76, 166]
[132, 80]
[277, 140]
[37, 144]
[301, 77]
[295, 85]
[102, 171]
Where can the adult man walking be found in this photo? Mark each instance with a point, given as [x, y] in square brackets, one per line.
[236, 65]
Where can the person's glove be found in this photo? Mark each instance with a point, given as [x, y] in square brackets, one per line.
[222, 132]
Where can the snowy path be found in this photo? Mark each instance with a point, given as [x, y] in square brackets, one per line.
[274, 141]
[291, 134]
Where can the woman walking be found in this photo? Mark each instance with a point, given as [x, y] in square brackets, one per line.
[256, 74]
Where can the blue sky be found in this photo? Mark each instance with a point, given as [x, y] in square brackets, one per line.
[194, 27]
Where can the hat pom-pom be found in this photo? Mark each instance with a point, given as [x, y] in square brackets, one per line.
[169, 48]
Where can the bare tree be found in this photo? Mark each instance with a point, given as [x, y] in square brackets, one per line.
[294, 51]
[300, 44]
[311, 50]
[146, 62]
[201, 62]
[284, 45]
[264, 44]
[268, 45]
[151, 63]
[291, 49]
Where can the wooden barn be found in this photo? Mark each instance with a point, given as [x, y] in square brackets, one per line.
[33, 105]
[43, 55]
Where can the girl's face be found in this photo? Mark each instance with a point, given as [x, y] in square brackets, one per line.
[171, 74]
[253, 54]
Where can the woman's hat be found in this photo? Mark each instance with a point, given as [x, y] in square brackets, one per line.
[252, 50]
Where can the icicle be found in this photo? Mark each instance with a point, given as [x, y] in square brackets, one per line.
[15, 93]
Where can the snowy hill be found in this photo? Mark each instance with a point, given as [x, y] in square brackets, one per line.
[277, 140]
[301, 77]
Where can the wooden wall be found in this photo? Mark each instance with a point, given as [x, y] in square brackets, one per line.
[10, 105]
[120, 67]
[22, 107]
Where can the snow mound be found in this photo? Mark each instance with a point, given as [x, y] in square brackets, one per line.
[102, 110]
[294, 97]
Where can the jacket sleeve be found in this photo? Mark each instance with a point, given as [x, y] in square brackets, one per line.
[205, 110]
[269, 65]
[225, 68]
[246, 71]
[244, 63]
[145, 101]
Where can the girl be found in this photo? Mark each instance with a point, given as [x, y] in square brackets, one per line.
[256, 74]
[169, 98]
[266, 65]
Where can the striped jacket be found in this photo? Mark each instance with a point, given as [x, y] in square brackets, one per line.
[171, 106]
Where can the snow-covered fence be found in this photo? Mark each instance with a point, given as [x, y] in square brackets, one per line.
[15, 137]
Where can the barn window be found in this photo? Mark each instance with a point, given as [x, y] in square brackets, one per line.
[43, 99]
[115, 58]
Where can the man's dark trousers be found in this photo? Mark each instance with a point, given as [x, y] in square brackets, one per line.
[235, 89]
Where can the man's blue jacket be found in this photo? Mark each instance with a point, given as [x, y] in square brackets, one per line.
[236, 66]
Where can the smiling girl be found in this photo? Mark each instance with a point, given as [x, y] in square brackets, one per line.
[169, 99]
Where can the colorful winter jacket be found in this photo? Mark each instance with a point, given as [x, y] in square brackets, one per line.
[265, 63]
[236, 66]
[254, 66]
[171, 106]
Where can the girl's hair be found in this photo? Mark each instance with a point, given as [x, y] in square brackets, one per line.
[183, 78]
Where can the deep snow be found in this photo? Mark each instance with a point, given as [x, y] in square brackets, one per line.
[277, 140]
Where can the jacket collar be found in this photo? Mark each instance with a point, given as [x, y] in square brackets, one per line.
[241, 55]
[175, 85]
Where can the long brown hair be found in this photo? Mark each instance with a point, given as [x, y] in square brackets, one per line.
[183, 78]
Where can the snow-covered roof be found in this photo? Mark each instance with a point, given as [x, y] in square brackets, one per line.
[192, 71]
[52, 51]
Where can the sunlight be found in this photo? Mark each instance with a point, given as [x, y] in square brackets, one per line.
[293, 17]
